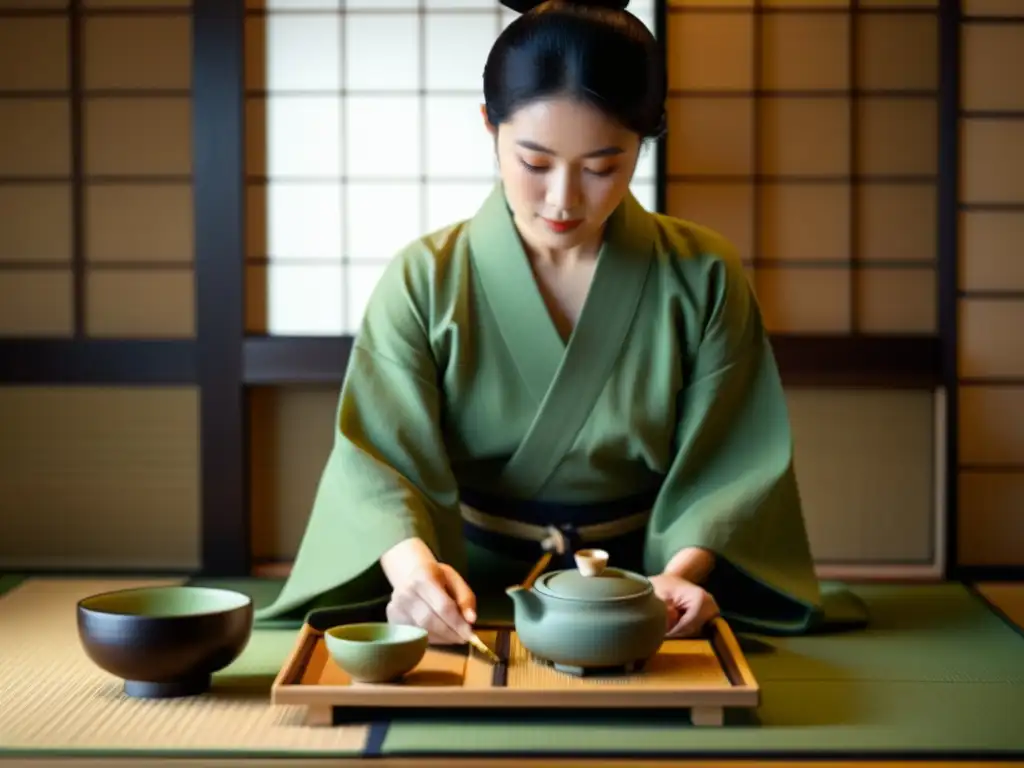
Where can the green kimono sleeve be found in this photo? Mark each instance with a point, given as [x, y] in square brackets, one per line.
[732, 487]
[387, 477]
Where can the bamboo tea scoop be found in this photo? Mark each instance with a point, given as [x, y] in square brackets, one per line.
[481, 646]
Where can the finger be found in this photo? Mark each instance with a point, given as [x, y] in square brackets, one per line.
[674, 592]
[395, 614]
[685, 625]
[691, 609]
[443, 606]
[402, 610]
[462, 594]
[441, 634]
[679, 629]
[437, 596]
[438, 632]
[684, 629]
[398, 609]
[703, 609]
[672, 615]
[407, 608]
[661, 591]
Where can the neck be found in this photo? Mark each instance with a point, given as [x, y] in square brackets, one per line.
[558, 257]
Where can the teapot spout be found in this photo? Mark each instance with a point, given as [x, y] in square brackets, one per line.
[527, 604]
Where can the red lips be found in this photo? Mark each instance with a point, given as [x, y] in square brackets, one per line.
[562, 226]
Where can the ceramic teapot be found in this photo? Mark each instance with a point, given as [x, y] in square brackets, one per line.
[588, 618]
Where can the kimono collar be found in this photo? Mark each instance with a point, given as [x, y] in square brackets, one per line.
[564, 377]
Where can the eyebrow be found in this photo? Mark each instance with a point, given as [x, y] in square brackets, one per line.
[604, 152]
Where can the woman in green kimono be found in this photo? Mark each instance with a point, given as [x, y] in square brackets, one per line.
[564, 369]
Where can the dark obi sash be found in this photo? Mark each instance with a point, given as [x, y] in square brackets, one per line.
[525, 529]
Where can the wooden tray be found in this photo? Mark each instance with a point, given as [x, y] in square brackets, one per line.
[703, 675]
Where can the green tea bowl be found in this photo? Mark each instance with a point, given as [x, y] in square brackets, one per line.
[376, 652]
[165, 641]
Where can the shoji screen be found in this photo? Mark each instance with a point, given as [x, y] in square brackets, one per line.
[806, 130]
[991, 307]
[95, 157]
[364, 132]
[36, 286]
[96, 242]
[137, 162]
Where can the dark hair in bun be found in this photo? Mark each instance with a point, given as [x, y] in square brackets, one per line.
[523, 6]
[593, 51]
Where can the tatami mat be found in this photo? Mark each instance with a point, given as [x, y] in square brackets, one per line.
[822, 694]
[935, 672]
[53, 698]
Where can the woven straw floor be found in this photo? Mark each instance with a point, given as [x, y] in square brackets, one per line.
[52, 697]
[55, 701]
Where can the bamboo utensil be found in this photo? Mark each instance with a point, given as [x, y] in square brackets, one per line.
[479, 644]
[537, 570]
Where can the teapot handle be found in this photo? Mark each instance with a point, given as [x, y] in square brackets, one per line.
[591, 562]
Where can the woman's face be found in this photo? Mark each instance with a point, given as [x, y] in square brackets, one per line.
[565, 167]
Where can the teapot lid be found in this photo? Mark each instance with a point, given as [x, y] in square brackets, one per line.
[592, 581]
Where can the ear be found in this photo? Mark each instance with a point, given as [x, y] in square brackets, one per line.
[487, 123]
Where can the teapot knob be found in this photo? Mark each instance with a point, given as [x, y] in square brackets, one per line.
[591, 562]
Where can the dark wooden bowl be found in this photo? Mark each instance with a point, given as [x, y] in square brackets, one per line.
[165, 641]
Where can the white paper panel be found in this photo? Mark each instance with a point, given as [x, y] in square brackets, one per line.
[296, 5]
[457, 48]
[381, 5]
[646, 165]
[458, 145]
[646, 194]
[380, 219]
[304, 136]
[303, 52]
[304, 222]
[305, 299]
[644, 12]
[382, 52]
[382, 137]
[453, 4]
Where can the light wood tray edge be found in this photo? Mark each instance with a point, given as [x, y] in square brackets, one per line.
[744, 692]
[287, 687]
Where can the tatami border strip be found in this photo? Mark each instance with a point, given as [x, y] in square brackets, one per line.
[9, 581]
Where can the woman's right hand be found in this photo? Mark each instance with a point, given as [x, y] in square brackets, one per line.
[429, 594]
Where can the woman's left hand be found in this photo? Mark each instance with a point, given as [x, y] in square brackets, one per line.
[690, 607]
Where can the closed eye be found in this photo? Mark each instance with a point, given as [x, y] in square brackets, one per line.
[542, 168]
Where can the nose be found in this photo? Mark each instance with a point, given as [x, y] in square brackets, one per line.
[563, 193]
